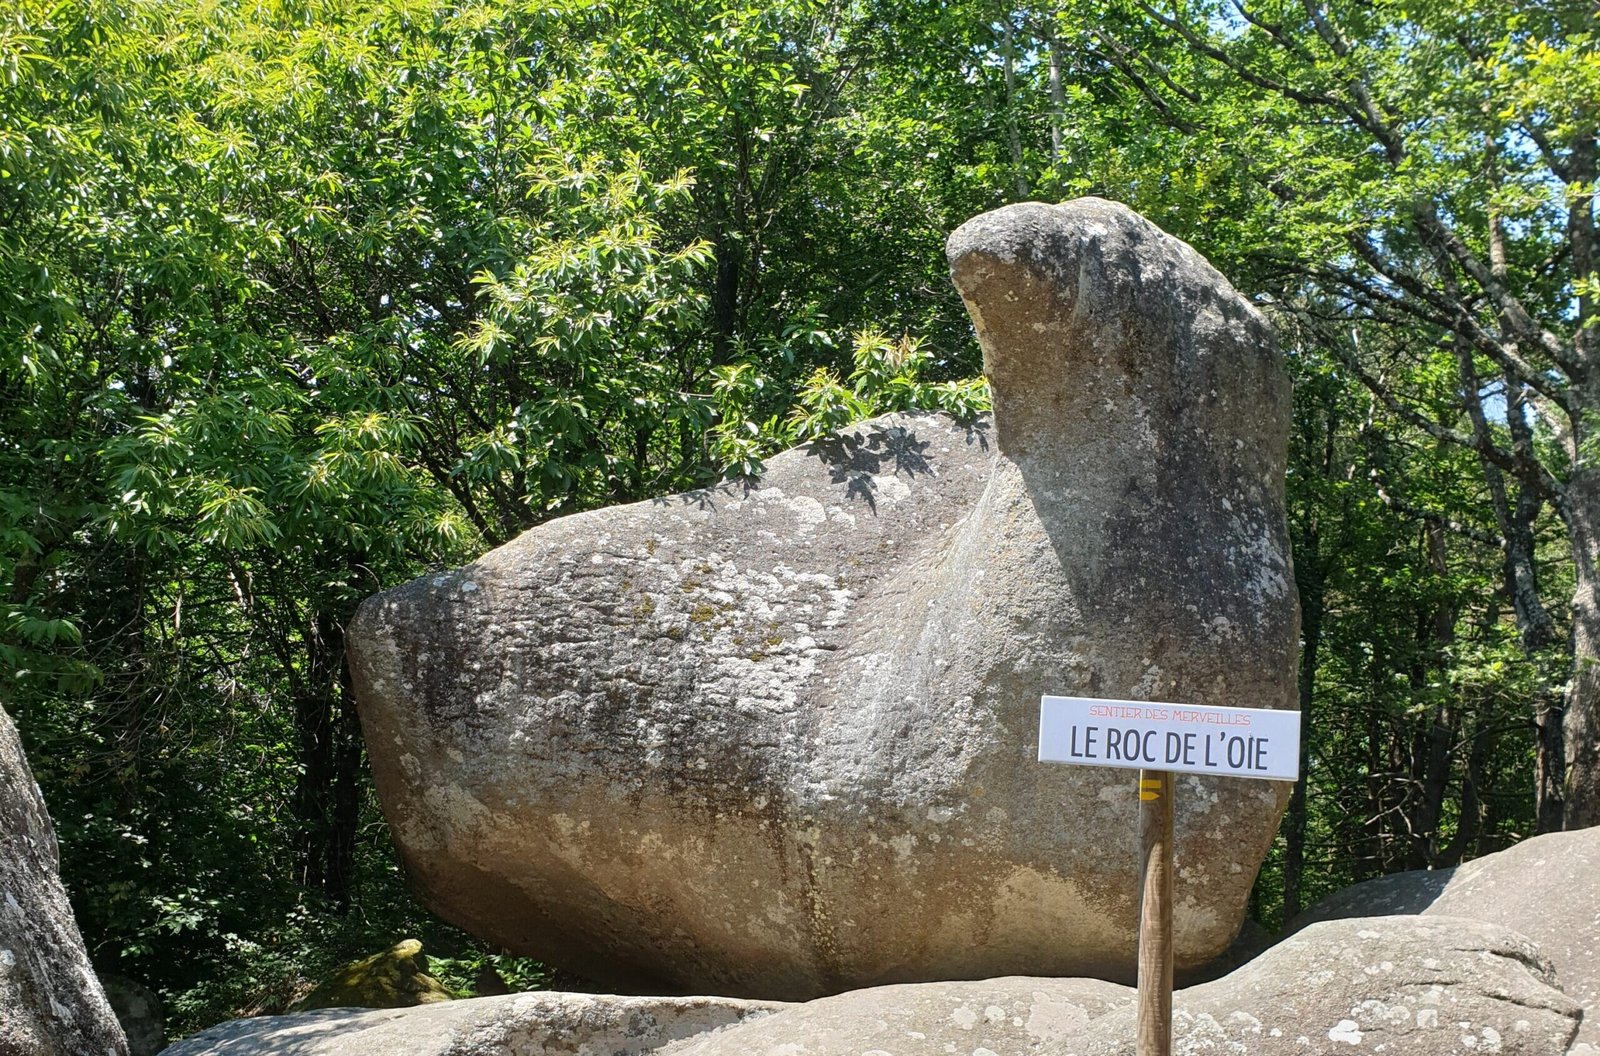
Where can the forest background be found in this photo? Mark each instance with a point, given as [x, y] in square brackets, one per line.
[302, 298]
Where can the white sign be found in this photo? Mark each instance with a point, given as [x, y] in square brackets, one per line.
[1181, 738]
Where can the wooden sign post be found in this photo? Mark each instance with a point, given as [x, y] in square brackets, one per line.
[1155, 913]
[1162, 740]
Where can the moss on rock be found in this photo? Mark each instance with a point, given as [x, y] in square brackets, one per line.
[396, 978]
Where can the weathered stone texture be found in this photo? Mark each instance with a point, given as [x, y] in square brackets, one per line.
[537, 1024]
[1015, 1016]
[1401, 986]
[778, 740]
[1547, 888]
[138, 1011]
[51, 1004]
[1398, 986]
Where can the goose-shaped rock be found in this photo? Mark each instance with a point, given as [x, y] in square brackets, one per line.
[778, 740]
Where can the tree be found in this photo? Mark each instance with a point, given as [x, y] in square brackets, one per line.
[1411, 683]
[301, 300]
[1426, 170]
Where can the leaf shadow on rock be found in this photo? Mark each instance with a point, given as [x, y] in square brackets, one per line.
[857, 459]
[854, 458]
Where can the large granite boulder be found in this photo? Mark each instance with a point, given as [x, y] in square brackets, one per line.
[1014, 1016]
[536, 1024]
[51, 1004]
[1547, 888]
[778, 739]
[1402, 986]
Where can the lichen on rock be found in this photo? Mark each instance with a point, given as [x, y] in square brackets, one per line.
[776, 739]
[51, 1003]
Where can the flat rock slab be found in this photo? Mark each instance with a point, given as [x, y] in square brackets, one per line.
[778, 740]
[534, 1024]
[1547, 888]
[51, 1003]
[1401, 986]
[1013, 1016]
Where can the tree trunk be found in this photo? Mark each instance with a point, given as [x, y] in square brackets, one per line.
[1294, 834]
[1013, 136]
[313, 713]
[346, 815]
[1432, 761]
[728, 258]
[327, 793]
[1471, 815]
[1579, 728]
[1058, 106]
[1370, 863]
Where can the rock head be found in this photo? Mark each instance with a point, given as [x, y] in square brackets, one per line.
[778, 739]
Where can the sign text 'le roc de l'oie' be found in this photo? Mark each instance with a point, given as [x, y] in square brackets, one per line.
[1180, 738]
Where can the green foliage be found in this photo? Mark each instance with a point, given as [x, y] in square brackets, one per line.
[888, 376]
[460, 974]
[301, 298]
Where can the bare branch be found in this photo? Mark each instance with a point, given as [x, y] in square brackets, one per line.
[1163, 74]
[1369, 117]
[1454, 314]
[1274, 30]
[1551, 158]
[1467, 531]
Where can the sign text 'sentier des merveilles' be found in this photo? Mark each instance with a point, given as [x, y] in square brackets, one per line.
[1180, 738]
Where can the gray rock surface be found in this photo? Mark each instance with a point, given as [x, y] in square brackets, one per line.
[1401, 986]
[1547, 888]
[778, 740]
[535, 1024]
[51, 1004]
[138, 1009]
[1013, 1016]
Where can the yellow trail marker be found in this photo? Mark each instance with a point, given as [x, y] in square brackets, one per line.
[1149, 790]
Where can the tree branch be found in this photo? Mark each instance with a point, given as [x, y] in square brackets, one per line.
[1215, 53]
[1426, 217]
[1169, 115]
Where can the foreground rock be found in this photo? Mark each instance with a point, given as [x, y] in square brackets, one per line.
[778, 740]
[1402, 986]
[51, 1004]
[1013, 1016]
[539, 1024]
[138, 1010]
[1547, 888]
